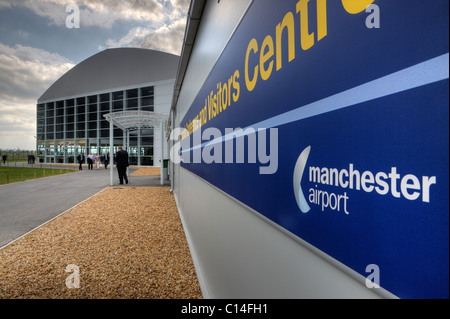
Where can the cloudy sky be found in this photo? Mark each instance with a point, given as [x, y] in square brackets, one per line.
[37, 47]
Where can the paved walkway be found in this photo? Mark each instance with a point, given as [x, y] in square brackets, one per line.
[27, 205]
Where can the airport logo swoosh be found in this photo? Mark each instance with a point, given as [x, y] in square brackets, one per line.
[298, 173]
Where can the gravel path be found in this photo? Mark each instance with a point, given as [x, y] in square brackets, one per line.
[127, 242]
[146, 171]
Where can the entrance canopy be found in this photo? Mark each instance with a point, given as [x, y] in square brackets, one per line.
[133, 120]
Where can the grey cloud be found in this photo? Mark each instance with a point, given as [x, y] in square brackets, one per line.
[26, 72]
[168, 38]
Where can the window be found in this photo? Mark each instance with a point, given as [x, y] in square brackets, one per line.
[104, 124]
[93, 108]
[92, 125]
[147, 100]
[118, 133]
[104, 133]
[41, 111]
[93, 116]
[147, 91]
[147, 161]
[117, 95]
[70, 107]
[104, 97]
[60, 108]
[59, 120]
[132, 93]
[104, 107]
[59, 128]
[132, 104]
[92, 99]
[147, 108]
[117, 106]
[81, 118]
[70, 118]
[81, 109]
[50, 110]
[147, 131]
[147, 151]
[148, 141]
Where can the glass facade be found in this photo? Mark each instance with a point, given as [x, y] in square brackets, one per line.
[66, 128]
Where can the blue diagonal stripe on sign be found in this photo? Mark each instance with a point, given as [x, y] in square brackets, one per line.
[430, 71]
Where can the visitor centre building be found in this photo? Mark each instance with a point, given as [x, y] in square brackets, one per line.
[71, 112]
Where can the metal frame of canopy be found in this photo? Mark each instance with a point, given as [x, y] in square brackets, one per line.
[132, 120]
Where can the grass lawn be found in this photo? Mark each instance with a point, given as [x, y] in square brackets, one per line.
[19, 174]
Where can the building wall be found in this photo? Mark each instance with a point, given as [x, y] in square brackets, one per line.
[238, 253]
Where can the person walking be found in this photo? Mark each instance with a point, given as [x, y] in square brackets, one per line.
[81, 160]
[122, 164]
[106, 160]
[97, 161]
[4, 158]
[90, 161]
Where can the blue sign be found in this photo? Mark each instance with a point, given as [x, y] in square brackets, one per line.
[331, 118]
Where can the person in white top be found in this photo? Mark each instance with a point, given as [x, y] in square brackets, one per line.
[90, 161]
[97, 161]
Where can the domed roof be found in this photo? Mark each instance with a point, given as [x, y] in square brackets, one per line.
[112, 69]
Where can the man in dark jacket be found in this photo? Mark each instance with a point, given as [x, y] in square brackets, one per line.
[81, 160]
[106, 160]
[122, 164]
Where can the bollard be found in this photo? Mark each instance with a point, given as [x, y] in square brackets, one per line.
[7, 178]
[35, 174]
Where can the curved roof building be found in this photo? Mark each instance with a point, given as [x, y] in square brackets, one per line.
[70, 113]
[114, 68]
